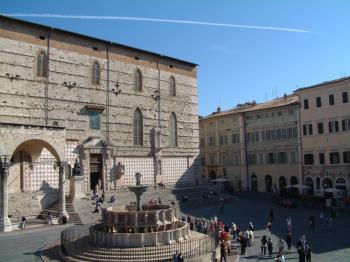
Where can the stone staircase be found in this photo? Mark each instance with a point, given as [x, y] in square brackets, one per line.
[81, 250]
[54, 210]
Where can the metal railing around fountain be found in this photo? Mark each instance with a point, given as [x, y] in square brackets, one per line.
[75, 242]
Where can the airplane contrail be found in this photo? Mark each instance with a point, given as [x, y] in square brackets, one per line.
[159, 20]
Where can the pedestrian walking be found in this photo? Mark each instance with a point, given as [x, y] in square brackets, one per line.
[301, 250]
[243, 241]
[233, 230]
[250, 234]
[269, 246]
[269, 227]
[308, 253]
[289, 224]
[303, 240]
[263, 245]
[23, 223]
[223, 251]
[280, 246]
[49, 219]
[250, 226]
[221, 203]
[289, 241]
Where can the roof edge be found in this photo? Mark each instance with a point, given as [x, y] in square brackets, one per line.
[338, 80]
[50, 28]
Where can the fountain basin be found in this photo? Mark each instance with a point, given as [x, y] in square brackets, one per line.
[151, 218]
[100, 238]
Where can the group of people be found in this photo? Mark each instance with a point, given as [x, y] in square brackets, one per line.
[246, 239]
[153, 201]
[178, 257]
[199, 225]
[23, 222]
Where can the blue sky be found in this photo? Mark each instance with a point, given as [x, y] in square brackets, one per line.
[236, 64]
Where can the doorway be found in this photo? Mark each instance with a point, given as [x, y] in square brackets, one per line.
[96, 165]
[254, 183]
[268, 183]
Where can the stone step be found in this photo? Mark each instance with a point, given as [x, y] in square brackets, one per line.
[166, 250]
[55, 208]
[124, 259]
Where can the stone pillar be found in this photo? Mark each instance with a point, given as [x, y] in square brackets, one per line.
[5, 223]
[62, 203]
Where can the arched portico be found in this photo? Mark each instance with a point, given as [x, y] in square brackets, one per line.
[28, 142]
[33, 167]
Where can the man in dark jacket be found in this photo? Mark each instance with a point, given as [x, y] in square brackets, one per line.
[244, 242]
[308, 253]
[289, 241]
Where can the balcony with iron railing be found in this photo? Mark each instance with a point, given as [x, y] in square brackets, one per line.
[337, 169]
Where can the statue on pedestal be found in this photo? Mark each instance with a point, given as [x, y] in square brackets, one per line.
[76, 169]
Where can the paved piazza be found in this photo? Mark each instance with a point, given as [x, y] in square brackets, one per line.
[327, 244]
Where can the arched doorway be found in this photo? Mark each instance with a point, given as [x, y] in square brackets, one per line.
[20, 171]
[327, 183]
[340, 183]
[310, 183]
[318, 183]
[282, 184]
[294, 181]
[212, 175]
[268, 183]
[254, 183]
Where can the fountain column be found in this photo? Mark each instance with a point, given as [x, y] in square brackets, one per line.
[138, 191]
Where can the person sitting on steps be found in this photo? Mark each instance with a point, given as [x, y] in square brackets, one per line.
[161, 185]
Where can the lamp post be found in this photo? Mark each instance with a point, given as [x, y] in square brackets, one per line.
[5, 223]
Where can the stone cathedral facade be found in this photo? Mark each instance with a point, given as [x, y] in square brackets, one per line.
[118, 110]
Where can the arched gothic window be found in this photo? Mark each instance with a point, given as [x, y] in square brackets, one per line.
[41, 64]
[138, 80]
[96, 73]
[138, 128]
[173, 129]
[172, 86]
